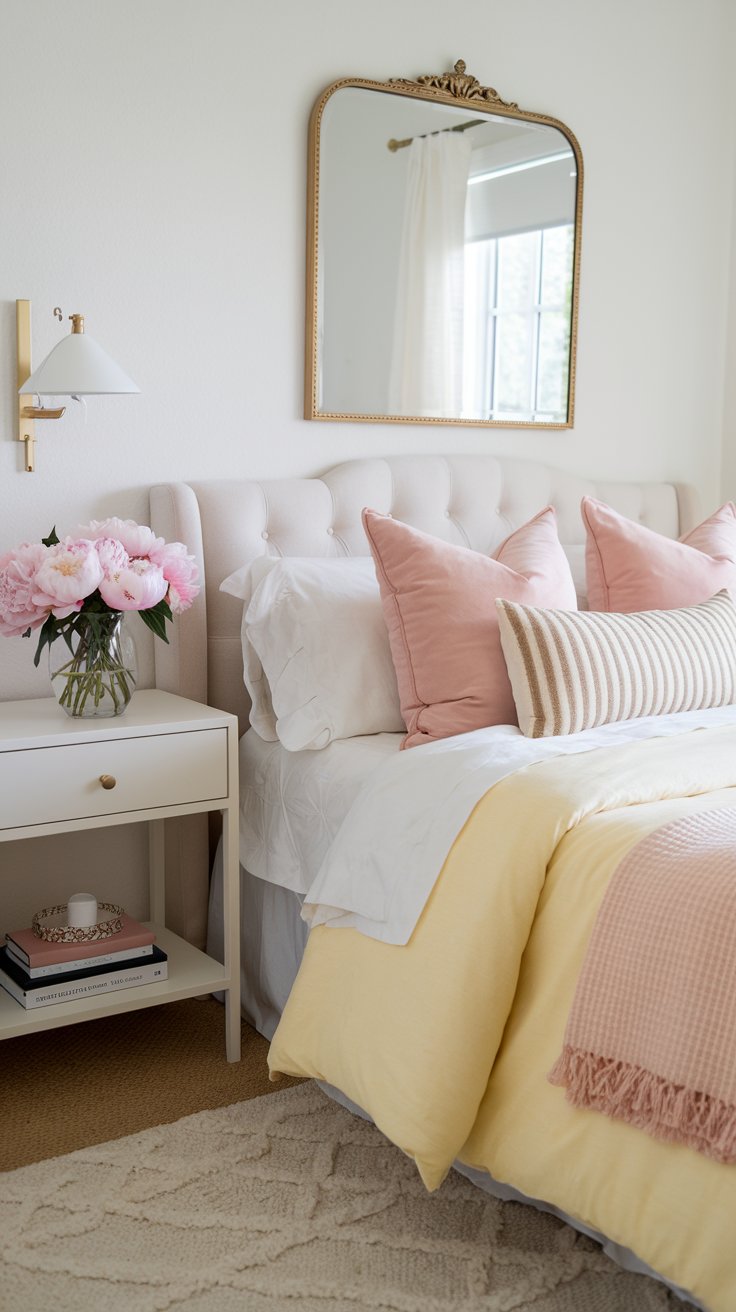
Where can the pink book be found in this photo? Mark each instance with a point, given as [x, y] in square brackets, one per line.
[39, 952]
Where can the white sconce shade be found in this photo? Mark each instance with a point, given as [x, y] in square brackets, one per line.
[77, 366]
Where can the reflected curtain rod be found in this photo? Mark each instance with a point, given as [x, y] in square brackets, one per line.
[395, 145]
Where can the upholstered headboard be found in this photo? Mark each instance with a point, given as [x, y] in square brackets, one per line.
[473, 500]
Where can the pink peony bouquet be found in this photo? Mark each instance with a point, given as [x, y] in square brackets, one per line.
[76, 588]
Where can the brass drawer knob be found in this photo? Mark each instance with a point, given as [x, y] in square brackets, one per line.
[108, 780]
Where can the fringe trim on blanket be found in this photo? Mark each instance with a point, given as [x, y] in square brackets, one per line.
[641, 1098]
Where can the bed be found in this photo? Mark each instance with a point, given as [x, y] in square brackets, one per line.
[503, 1130]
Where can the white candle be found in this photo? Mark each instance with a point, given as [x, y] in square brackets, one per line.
[82, 910]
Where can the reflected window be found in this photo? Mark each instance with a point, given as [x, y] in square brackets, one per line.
[518, 299]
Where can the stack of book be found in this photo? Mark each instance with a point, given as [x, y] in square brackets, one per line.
[38, 973]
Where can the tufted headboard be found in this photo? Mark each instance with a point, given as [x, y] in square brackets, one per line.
[473, 500]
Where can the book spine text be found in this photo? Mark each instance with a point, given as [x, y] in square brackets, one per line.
[153, 973]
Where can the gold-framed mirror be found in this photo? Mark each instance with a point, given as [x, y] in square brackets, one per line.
[443, 256]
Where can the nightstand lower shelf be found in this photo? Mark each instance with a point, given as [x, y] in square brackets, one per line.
[164, 758]
[191, 972]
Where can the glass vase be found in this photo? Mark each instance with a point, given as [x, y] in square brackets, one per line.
[94, 668]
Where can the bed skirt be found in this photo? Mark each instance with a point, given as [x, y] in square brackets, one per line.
[272, 939]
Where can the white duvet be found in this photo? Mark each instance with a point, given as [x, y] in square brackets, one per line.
[387, 854]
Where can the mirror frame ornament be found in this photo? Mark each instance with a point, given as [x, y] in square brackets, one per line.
[454, 88]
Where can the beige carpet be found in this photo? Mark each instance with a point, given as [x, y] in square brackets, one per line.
[278, 1202]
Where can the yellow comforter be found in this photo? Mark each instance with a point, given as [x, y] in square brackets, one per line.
[446, 1042]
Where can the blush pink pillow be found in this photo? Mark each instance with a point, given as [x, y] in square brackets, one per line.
[439, 603]
[629, 567]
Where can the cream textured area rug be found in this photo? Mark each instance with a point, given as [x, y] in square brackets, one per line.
[285, 1201]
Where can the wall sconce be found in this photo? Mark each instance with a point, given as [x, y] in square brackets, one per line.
[76, 366]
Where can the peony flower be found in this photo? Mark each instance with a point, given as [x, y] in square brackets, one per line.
[180, 571]
[112, 555]
[18, 610]
[139, 585]
[136, 539]
[70, 571]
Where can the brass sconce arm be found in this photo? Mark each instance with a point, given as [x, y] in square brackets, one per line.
[41, 412]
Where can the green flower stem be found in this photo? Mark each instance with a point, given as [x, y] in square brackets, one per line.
[94, 669]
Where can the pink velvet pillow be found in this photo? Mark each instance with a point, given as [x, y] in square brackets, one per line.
[439, 603]
[629, 567]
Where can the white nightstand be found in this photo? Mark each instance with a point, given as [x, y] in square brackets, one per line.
[168, 757]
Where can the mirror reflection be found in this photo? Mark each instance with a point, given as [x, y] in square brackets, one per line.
[445, 266]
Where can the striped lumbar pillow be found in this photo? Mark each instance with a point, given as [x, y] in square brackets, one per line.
[573, 670]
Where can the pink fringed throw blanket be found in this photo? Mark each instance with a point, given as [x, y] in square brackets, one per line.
[651, 1037]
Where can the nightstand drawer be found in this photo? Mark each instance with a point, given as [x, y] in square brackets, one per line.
[46, 785]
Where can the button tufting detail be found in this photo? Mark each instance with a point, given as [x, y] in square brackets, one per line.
[264, 535]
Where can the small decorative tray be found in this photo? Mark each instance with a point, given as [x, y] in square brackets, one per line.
[76, 933]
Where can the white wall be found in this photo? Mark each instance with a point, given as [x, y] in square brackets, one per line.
[728, 462]
[153, 177]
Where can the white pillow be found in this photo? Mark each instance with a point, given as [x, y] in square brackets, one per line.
[316, 627]
[242, 584]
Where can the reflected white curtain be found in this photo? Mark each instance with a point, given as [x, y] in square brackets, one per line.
[427, 357]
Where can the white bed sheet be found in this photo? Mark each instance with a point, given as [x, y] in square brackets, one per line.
[390, 849]
[293, 803]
